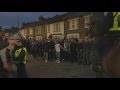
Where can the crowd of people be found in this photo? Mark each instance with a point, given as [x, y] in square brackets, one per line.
[71, 50]
[88, 50]
[59, 50]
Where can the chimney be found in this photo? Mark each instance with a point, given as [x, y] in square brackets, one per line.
[41, 18]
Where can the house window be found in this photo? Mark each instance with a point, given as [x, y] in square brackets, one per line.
[43, 29]
[31, 32]
[48, 28]
[72, 36]
[76, 36]
[77, 23]
[86, 21]
[73, 23]
[28, 31]
[70, 26]
[25, 32]
[39, 30]
[69, 37]
[36, 31]
[56, 27]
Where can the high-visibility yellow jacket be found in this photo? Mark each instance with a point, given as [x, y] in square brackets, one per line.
[116, 22]
[17, 53]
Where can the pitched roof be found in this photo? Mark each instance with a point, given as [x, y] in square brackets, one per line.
[13, 30]
[56, 18]
[29, 24]
[68, 15]
[75, 14]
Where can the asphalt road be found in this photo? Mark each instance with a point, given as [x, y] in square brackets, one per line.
[37, 68]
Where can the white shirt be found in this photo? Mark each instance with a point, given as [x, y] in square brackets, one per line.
[57, 47]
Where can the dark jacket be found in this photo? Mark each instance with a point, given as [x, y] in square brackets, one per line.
[80, 46]
[73, 47]
[45, 47]
[51, 45]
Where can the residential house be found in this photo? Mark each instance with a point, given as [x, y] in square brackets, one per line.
[70, 25]
[55, 26]
[10, 31]
[22, 32]
[78, 24]
[40, 29]
[28, 29]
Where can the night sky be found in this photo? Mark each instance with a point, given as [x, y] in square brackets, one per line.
[10, 19]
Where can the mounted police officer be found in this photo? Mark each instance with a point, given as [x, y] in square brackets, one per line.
[105, 40]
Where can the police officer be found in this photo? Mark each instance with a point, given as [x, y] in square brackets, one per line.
[19, 55]
[104, 41]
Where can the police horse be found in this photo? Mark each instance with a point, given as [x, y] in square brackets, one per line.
[111, 62]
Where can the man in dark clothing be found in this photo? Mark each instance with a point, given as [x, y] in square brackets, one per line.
[51, 49]
[66, 50]
[73, 51]
[27, 44]
[80, 51]
[39, 49]
[34, 48]
[86, 47]
[62, 51]
[45, 50]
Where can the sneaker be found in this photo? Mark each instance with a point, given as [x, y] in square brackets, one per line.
[91, 66]
[46, 61]
[58, 61]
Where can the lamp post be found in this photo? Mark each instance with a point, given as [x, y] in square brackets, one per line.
[18, 22]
